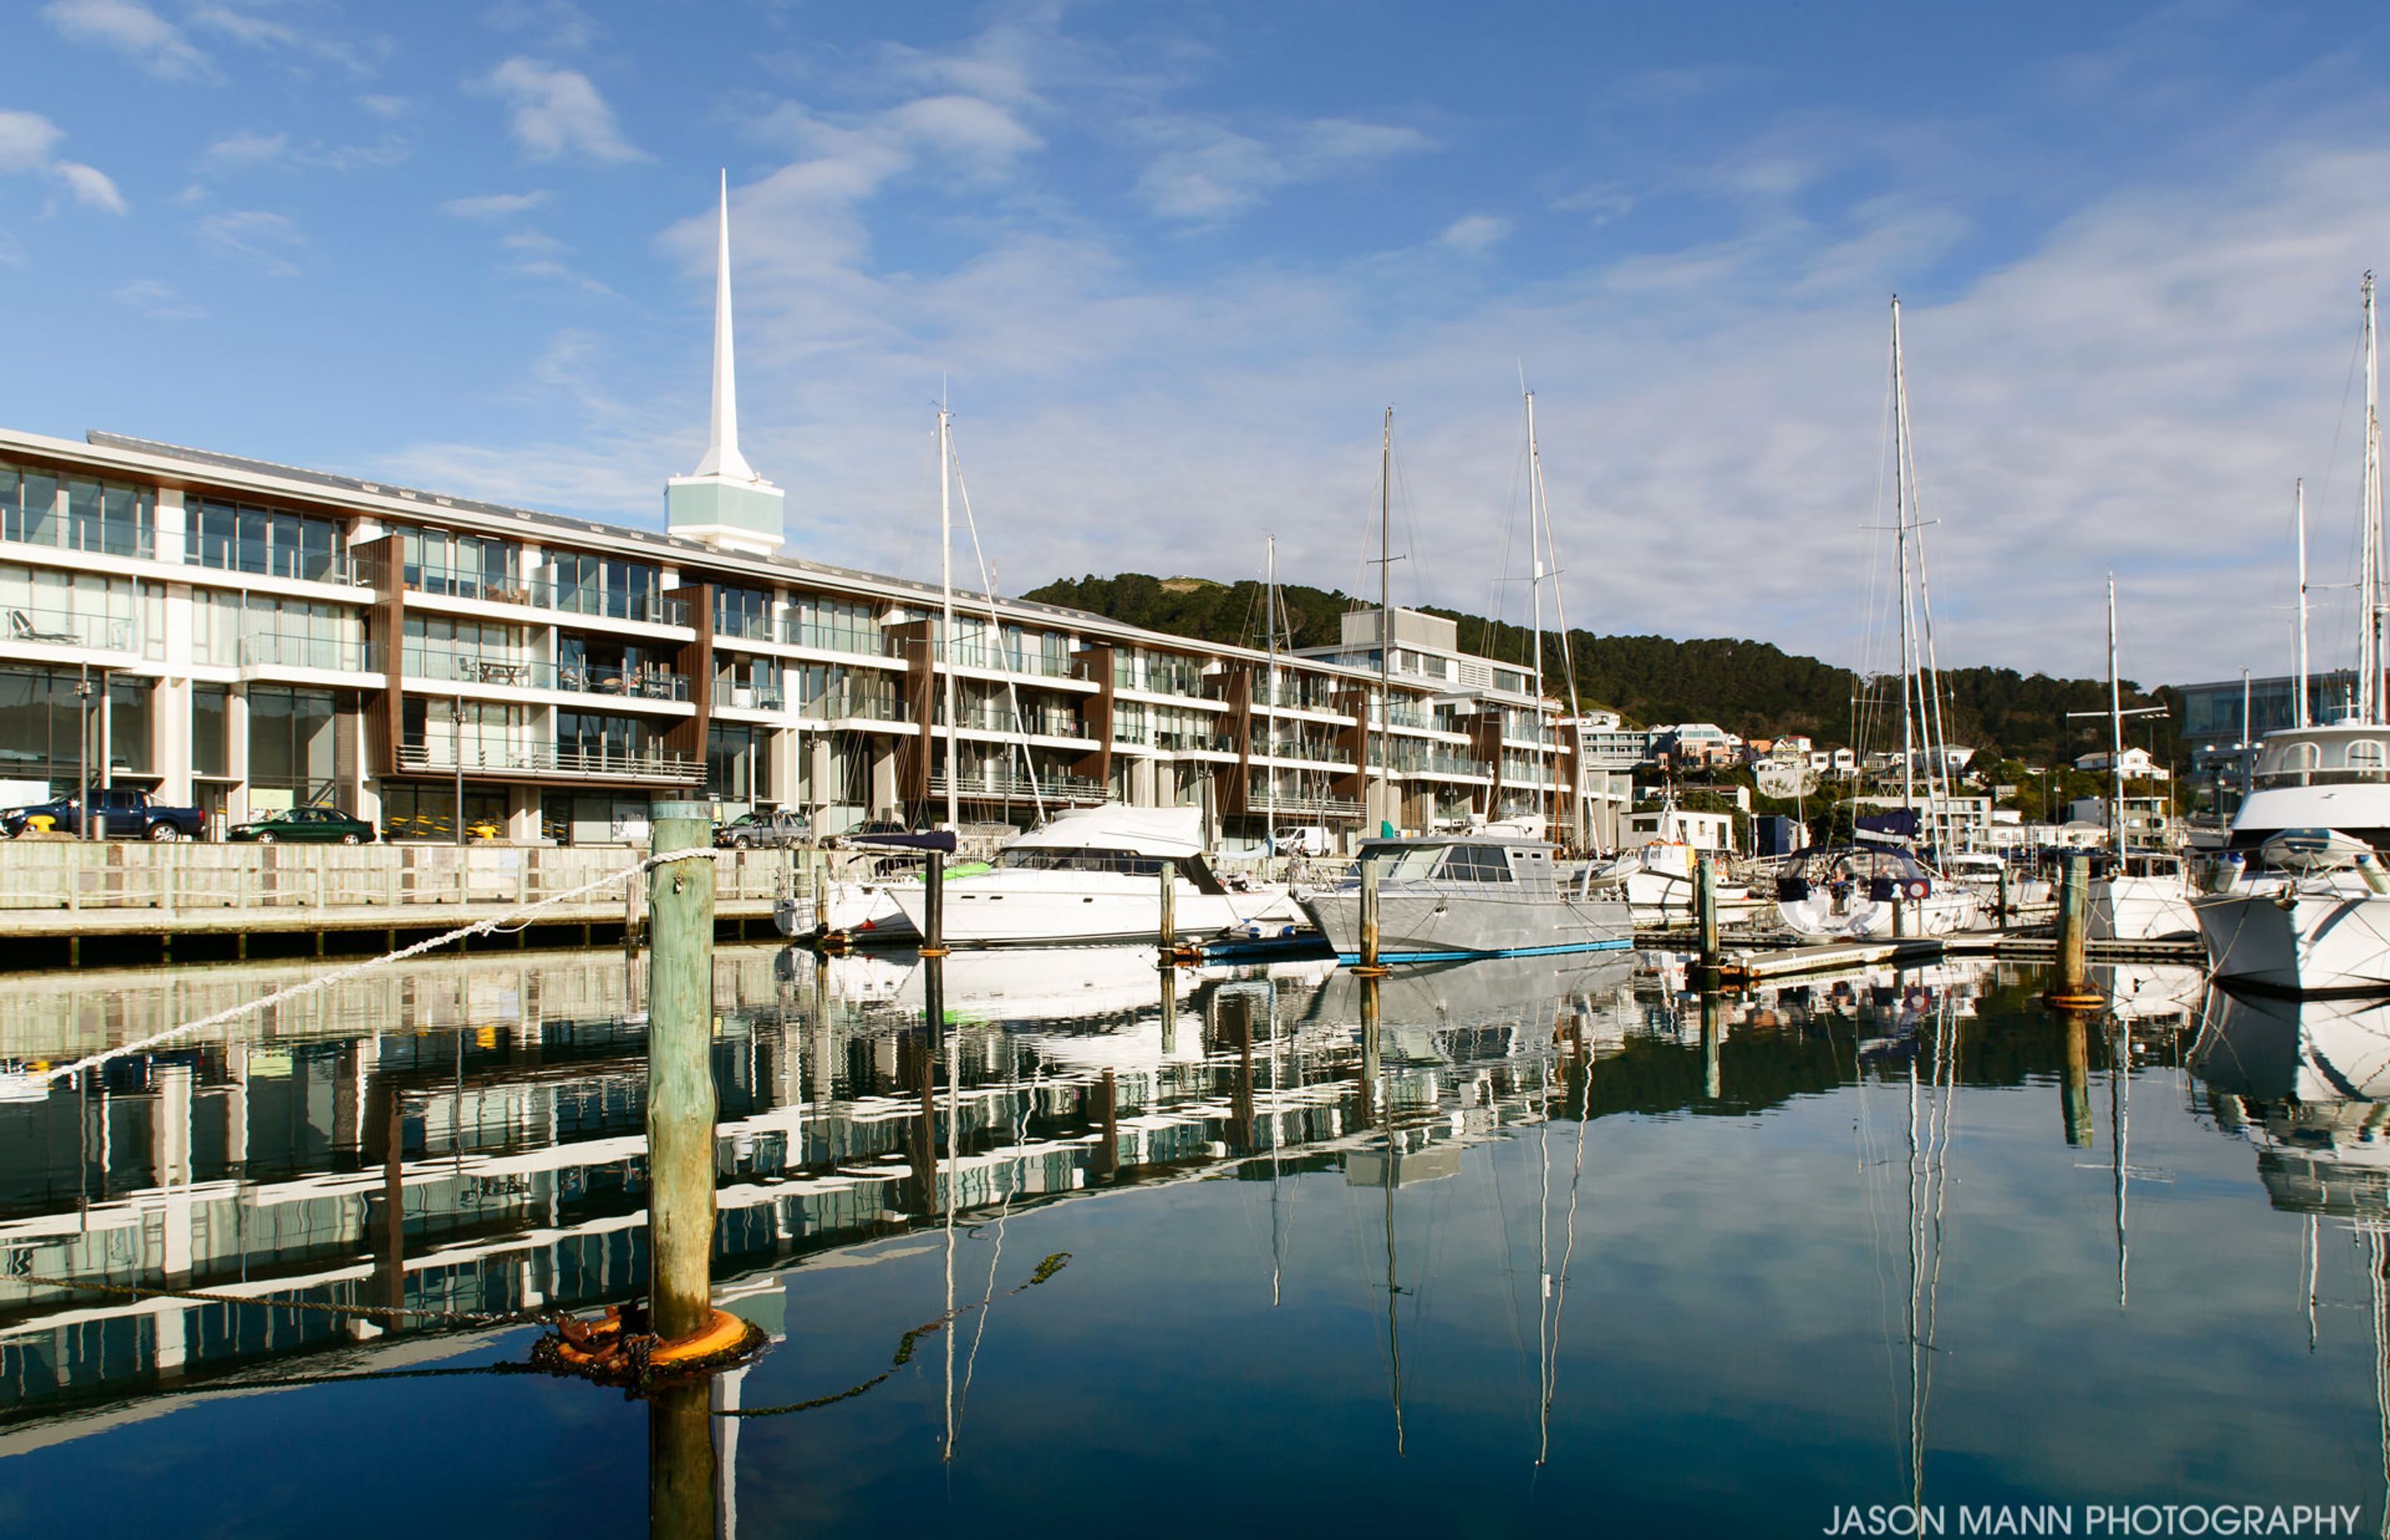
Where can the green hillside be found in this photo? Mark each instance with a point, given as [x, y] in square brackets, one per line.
[1748, 687]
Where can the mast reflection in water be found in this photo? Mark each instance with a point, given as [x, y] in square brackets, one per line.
[1038, 1232]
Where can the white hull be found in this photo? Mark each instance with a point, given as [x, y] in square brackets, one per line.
[2333, 938]
[1066, 908]
[2141, 908]
[867, 911]
[1943, 913]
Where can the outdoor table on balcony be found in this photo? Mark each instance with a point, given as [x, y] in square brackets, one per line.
[502, 674]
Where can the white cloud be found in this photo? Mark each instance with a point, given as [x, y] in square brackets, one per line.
[28, 142]
[494, 205]
[245, 149]
[1207, 171]
[359, 56]
[157, 301]
[253, 235]
[1475, 234]
[385, 107]
[90, 186]
[561, 27]
[557, 112]
[132, 29]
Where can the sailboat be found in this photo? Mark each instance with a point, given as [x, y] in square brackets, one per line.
[1854, 893]
[1487, 894]
[2142, 894]
[2302, 901]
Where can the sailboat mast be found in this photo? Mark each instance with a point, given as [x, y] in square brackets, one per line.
[1385, 628]
[2115, 734]
[1269, 622]
[1536, 560]
[2299, 706]
[2369, 649]
[1900, 539]
[946, 593]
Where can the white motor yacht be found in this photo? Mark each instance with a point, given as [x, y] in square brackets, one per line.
[2146, 896]
[1470, 895]
[1094, 876]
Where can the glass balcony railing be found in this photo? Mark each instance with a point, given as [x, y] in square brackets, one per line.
[1012, 786]
[1260, 798]
[612, 604]
[503, 759]
[1320, 750]
[747, 698]
[40, 627]
[274, 650]
[854, 703]
[831, 636]
[1002, 659]
[445, 666]
[337, 567]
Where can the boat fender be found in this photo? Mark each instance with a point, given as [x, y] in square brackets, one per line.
[2368, 867]
[2223, 875]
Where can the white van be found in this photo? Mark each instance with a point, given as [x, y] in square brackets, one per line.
[1304, 840]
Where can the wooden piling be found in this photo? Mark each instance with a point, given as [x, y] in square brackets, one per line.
[683, 1466]
[934, 906]
[1371, 1049]
[1705, 906]
[1370, 964]
[680, 1072]
[1166, 935]
[2074, 1093]
[2073, 985]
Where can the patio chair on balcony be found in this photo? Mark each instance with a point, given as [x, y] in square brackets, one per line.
[21, 628]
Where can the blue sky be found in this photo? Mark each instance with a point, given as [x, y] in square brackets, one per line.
[1172, 263]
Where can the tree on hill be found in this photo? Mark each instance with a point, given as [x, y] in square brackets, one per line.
[1752, 688]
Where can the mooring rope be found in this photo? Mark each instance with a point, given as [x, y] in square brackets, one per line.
[341, 975]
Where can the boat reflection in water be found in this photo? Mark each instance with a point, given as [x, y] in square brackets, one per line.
[2308, 1083]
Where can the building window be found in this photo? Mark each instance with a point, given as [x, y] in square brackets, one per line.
[462, 566]
[112, 518]
[241, 537]
[588, 584]
[428, 811]
[129, 731]
[210, 734]
[41, 724]
[835, 625]
[262, 630]
[588, 737]
[737, 762]
[745, 612]
[70, 608]
[292, 734]
[442, 648]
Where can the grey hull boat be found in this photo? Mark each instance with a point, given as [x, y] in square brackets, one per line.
[1469, 896]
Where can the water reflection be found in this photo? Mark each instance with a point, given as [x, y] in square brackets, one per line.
[1727, 1194]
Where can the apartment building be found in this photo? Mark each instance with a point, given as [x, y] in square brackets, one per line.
[250, 637]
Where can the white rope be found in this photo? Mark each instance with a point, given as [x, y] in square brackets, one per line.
[341, 975]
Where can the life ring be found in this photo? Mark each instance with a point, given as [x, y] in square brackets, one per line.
[1916, 888]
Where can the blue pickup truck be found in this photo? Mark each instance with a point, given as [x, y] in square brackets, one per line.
[126, 812]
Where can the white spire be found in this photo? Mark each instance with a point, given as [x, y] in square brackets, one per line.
[722, 456]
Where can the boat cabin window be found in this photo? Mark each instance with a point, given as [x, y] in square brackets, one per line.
[2324, 760]
[1060, 860]
[1476, 864]
[2365, 753]
[1403, 862]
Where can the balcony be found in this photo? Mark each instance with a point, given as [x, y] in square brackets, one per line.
[1318, 751]
[1442, 765]
[854, 703]
[593, 764]
[999, 659]
[1045, 721]
[272, 649]
[863, 640]
[580, 599]
[1262, 800]
[37, 627]
[303, 566]
[1196, 743]
[97, 535]
[1010, 787]
[439, 666]
[1159, 678]
[747, 698]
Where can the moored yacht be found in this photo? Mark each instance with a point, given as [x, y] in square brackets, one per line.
[1094, 874]
[2301, 903]
[1849, 893]
[1470, 895]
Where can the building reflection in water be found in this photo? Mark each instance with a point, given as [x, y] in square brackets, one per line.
[465, 1136]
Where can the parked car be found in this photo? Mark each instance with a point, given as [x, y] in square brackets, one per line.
[764, 828]
[127, 813]
[325, 826]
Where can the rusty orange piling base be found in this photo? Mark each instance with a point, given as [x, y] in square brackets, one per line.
[618, 1349]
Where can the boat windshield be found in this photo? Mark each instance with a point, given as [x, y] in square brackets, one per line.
[1050, 859]
[2322, 760]
[1404, 863]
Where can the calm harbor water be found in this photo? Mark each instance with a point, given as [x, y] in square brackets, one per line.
[1582, 1251]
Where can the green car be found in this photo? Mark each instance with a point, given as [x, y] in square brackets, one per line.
[323, 824]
